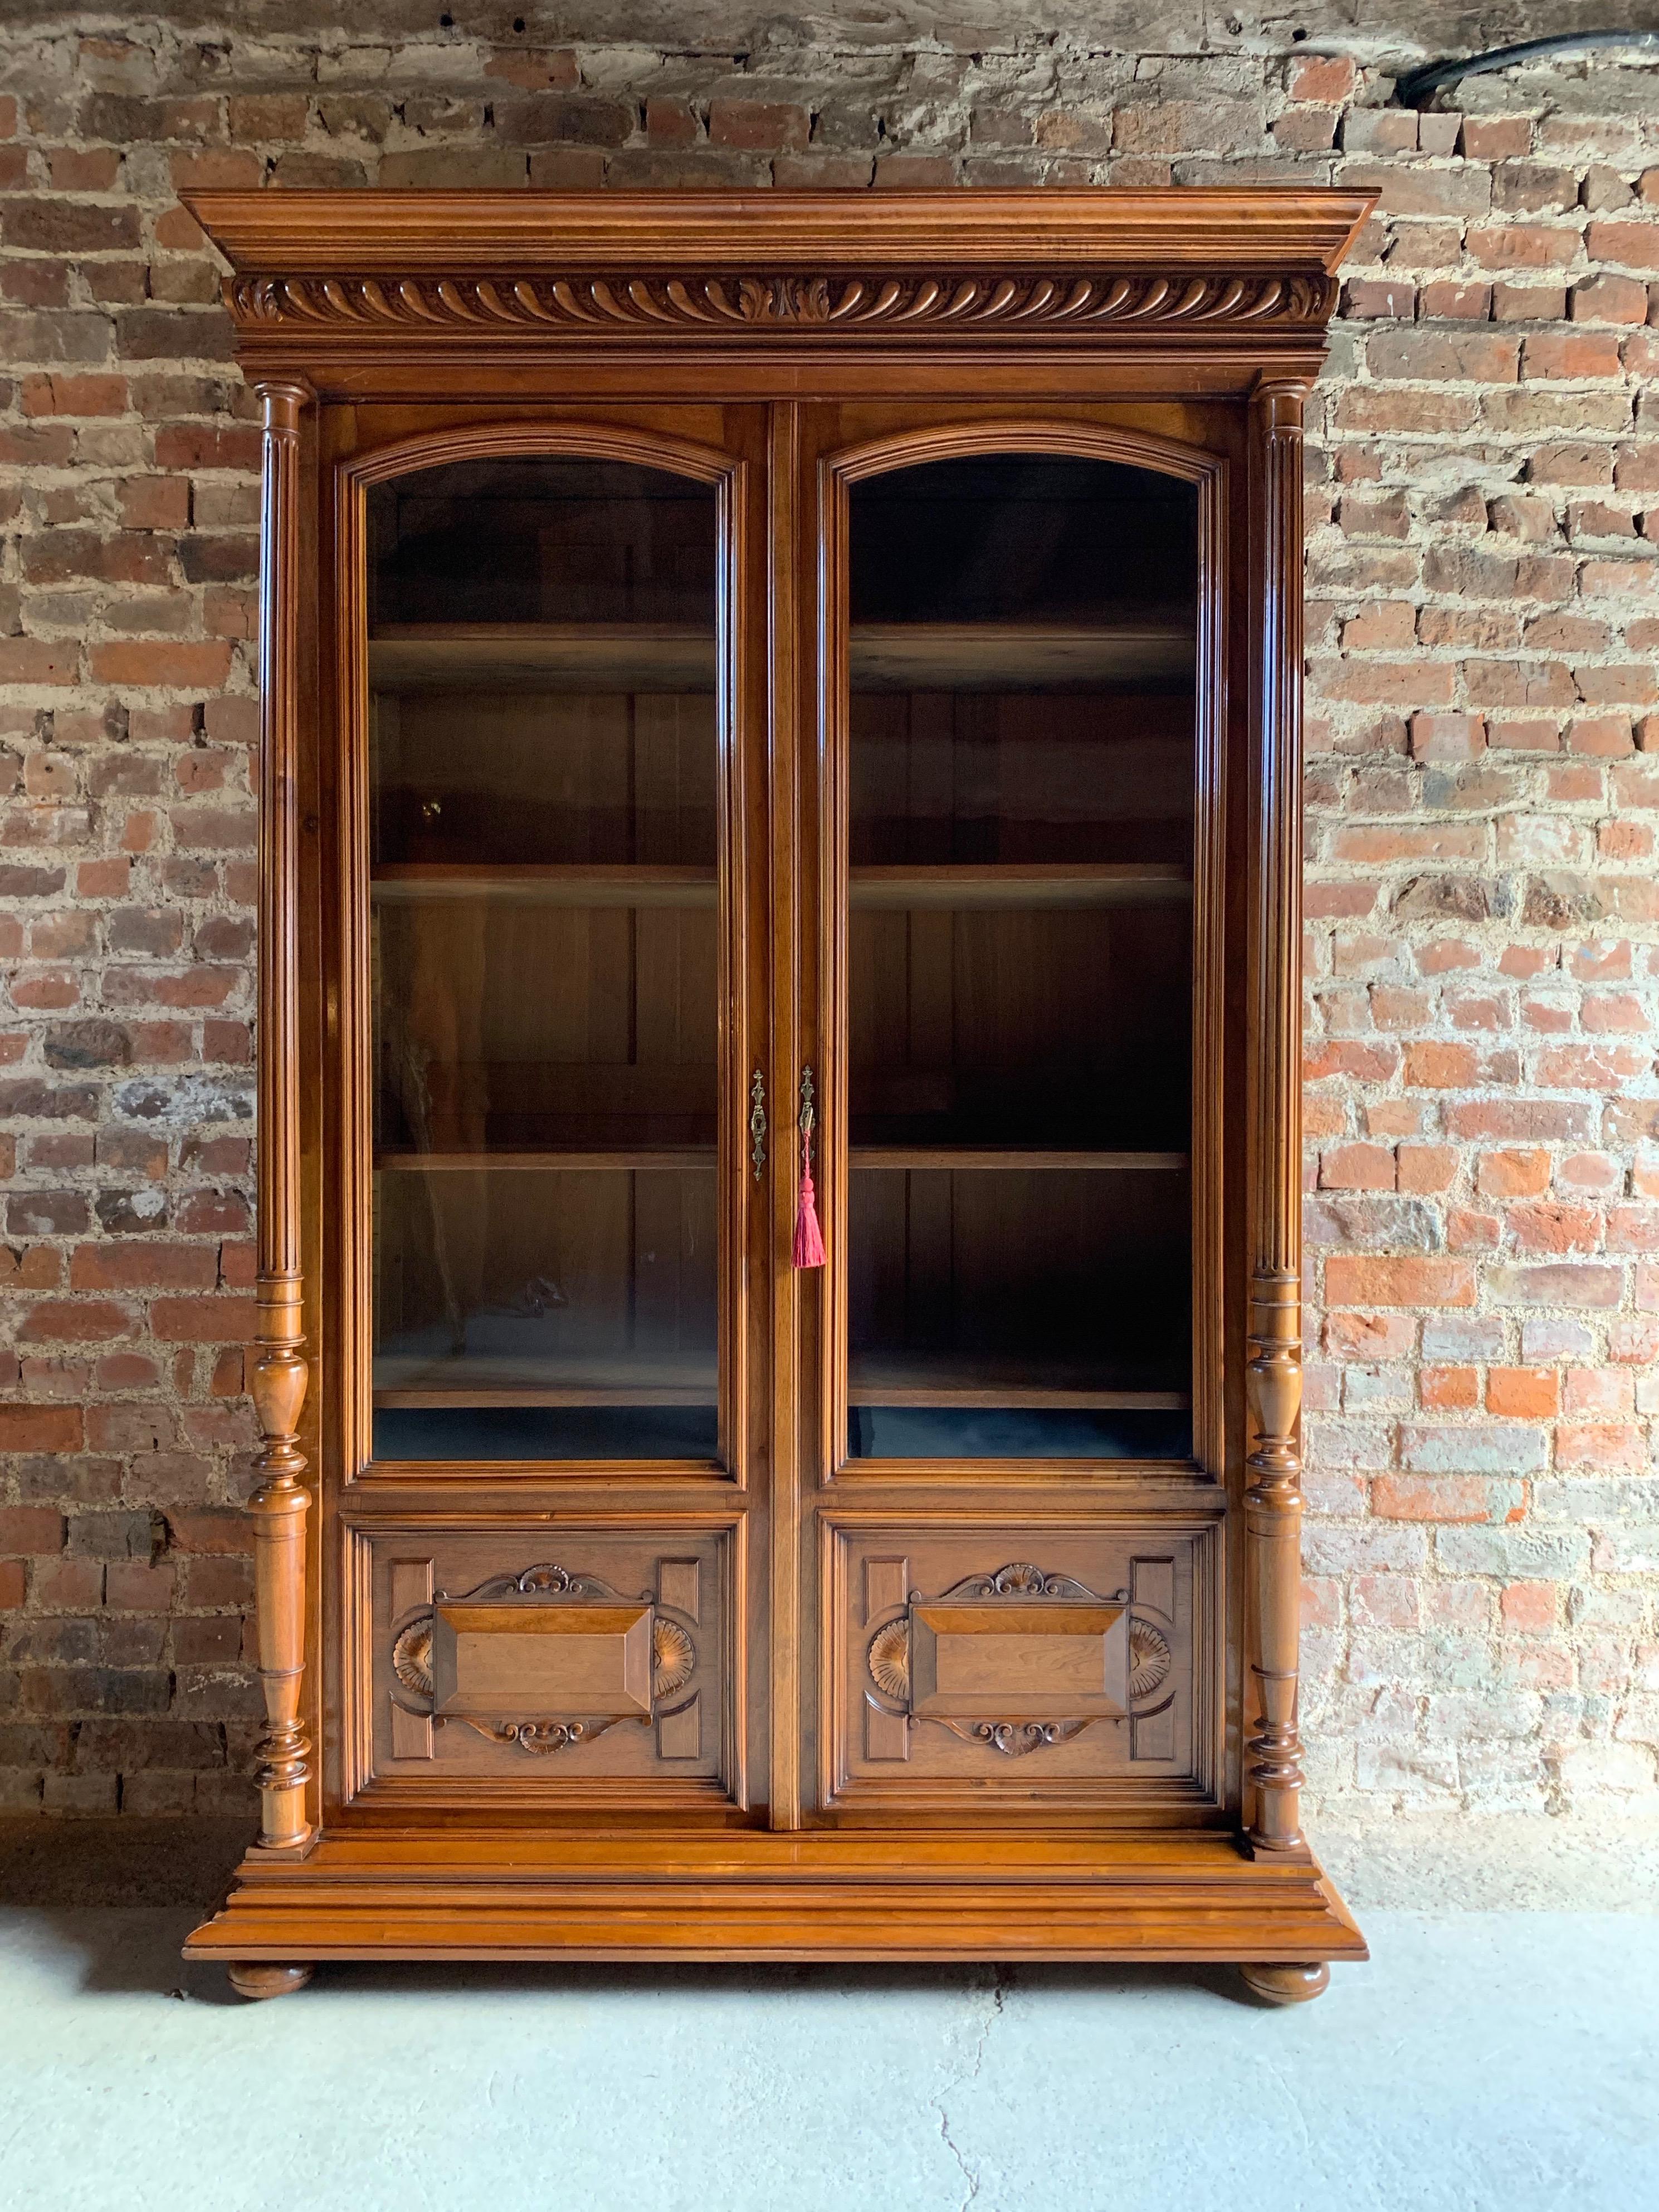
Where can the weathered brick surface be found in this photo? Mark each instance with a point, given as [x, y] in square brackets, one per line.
[1483, 799]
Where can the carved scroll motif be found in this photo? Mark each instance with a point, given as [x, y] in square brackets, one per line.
[890, 1650]
[672, 1662]
[784, 302]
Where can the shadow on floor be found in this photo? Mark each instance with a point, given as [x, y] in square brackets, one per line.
[126, 1952]
[70, 1872]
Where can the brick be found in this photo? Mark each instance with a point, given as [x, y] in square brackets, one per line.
[1609, 299]
[1356, 1167]
[767, 126]
[1530, 1609]
[186, 667]
[203, 1321]
[1495, 139]
[1626, 245]
[1515, 1173]
[1328, 78]
[1489, 1447]
[30, 1529]
[1415, 1497]
[1450, 1389]
[1567, 1283]
[1399, 1282]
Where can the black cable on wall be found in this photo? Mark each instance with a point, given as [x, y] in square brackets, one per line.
[1418, 85]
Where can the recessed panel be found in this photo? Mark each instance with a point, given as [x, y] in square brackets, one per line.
[589, 1657]
[1059, 1665]
[1038, 1662]
[569, 1666]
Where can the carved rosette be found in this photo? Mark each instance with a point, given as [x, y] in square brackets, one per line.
[411, 1657]
[673, 1655]
[790, 301]
[1150, 1660]
[889, 1660]
[673, 1660]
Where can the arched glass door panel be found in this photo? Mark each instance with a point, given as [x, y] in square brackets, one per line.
[545, 775]
[1020, 965]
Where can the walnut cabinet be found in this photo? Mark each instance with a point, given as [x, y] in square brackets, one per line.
[778, 1317]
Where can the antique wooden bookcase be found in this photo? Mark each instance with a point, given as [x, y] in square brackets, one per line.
[755, 684]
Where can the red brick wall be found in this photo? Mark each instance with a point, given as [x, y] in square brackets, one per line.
[1483, 1112]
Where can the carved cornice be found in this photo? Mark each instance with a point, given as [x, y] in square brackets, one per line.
[781, 303]
[319, 275]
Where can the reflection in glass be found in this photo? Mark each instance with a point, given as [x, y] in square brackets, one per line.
[543, 801]
[1020, 960]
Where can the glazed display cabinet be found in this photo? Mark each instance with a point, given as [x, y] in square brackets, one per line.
[779, 1304]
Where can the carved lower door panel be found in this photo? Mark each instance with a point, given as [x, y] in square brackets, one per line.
[1063, 1665]
[576, 1666]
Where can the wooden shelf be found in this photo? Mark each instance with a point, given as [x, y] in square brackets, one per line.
[434, 1383]
[406, 882]
[542, 657]
[479, 1382]
[899, 889]
[1022, 885]
[1011, 1158]
[1149, 654]
[1146, 654]
[692, 1158]
[965, 1384]
[639, 1160]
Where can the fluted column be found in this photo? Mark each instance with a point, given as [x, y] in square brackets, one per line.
[1272, 1497]
[282, 1502]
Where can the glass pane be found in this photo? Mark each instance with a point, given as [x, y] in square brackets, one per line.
[544, 769]
[1020, 961]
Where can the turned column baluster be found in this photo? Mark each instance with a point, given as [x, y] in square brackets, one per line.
[281, 1502]
[1273, 1497]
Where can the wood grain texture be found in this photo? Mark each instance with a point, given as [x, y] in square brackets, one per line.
[1272, 1374]
[1287, 1984]
[281, 1502]
[257, 1979]
[616, 1894]
[447, 235]
[882, 1737]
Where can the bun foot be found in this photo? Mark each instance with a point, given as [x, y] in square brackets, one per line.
[1282, 1985]
[260, 1977]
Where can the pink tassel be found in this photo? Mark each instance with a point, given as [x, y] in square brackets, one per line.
[809, 1237]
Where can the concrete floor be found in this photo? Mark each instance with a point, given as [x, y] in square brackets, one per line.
[1484, 2059]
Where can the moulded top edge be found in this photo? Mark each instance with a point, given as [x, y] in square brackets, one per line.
[459, 234]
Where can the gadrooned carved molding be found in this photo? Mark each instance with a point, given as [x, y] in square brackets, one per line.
[673, 1658]
[887, 1656]
[789, 301]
